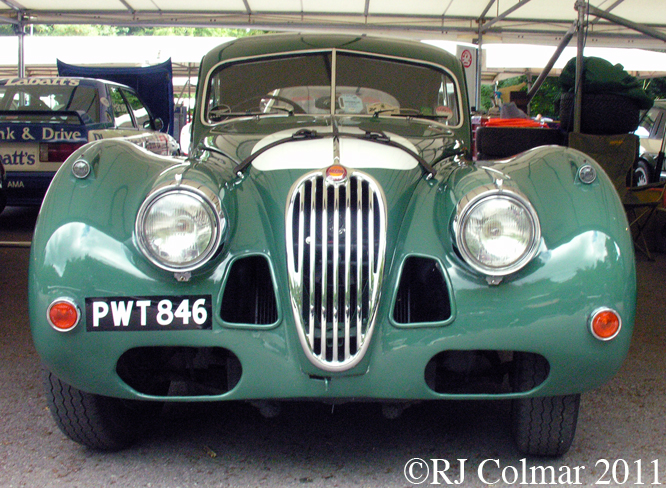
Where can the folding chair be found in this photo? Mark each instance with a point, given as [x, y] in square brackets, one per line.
[641, 204]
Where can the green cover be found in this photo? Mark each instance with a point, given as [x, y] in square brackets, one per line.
[600, 76]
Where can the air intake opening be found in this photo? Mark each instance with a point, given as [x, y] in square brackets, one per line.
[249, 296]
[180, 371]
[485, 372]
[422, 295]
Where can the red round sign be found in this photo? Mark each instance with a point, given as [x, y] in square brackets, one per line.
[466, 58]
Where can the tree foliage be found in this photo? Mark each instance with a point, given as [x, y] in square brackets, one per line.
[543, 102]
[115, 30]
[655, 87]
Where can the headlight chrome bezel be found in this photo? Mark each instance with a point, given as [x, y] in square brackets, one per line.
[470, 203]
[213, 208]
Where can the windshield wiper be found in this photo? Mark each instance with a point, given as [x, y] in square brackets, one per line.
[376, 135]
[299, 135]
[380, 137]
[405, 112]
[218, 115]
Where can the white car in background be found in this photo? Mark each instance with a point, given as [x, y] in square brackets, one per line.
[44, 120]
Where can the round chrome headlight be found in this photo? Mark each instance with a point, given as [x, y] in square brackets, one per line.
[179, 228]
[497, 231]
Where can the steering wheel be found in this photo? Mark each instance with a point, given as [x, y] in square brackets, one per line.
[297, 108]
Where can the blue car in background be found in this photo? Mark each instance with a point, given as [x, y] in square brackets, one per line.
[44, 120]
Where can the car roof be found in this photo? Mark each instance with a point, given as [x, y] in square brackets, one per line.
[287, 43]
[58, 80]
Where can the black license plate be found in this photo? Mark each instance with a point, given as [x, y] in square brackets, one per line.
[149, 313]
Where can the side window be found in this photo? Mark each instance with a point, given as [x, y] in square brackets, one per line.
[86, 100]
[121, 111]
[140, 112]
[649, 119]
[659, 132]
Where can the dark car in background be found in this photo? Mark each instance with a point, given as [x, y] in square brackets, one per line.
[3, 197]
[651, 133]
[44, 120]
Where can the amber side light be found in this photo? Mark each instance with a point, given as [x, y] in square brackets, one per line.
[605, 324]
[63, 315]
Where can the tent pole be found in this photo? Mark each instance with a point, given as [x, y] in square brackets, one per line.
[19, 28]
[643, 29]
[581, 7]
[479, 66]
[549, 66]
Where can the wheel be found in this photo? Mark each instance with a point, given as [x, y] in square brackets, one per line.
[542, 426]
[642, 173]
[96, 421]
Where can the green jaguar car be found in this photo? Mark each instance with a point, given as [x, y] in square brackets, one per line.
[329, 239]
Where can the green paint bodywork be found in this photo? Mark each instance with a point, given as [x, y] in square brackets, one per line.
[84, 246]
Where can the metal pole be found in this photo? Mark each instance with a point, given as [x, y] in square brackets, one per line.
[15, 243]
[556, 55]
[578, 90]
[20, 32]
[649, 31]
[479, 66]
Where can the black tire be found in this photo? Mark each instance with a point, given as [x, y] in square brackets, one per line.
[601, 113]
[98, 422]
[542, 426]
[502, 142]
[642, 172]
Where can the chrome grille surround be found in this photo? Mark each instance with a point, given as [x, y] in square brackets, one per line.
[336, 246]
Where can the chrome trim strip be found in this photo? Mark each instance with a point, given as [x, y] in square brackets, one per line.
[347, 311]
[324, 267]
[359, 264]
[313, 248]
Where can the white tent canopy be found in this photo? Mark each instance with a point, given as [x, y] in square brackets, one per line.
[508, 21]
[499, 60]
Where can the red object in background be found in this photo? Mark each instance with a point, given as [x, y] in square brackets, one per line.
[513, 123]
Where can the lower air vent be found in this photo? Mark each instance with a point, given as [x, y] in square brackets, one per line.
[249, 296]
[180, 371]
[422, 295]
[485, 372]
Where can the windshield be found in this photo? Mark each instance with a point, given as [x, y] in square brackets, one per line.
[49, 99]
[301, 84]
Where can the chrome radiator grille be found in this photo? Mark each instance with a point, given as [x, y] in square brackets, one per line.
[336, 243]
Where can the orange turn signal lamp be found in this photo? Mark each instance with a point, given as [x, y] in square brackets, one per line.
[63, 314]
[605, 324]
[336, 173]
